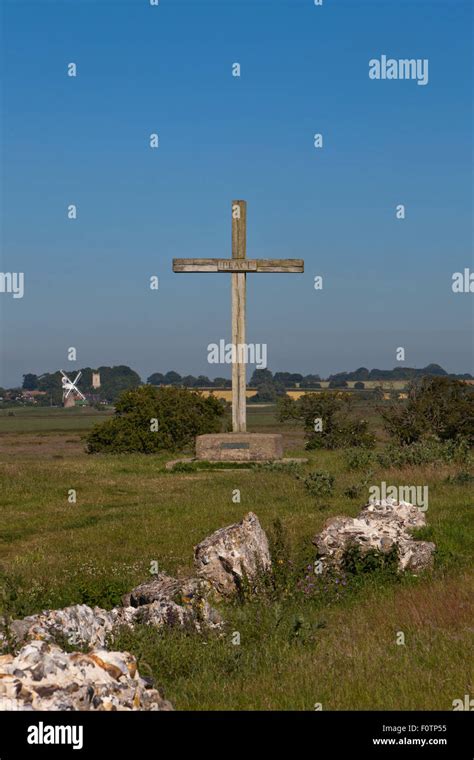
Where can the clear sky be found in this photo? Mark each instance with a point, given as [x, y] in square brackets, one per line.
[168, 69]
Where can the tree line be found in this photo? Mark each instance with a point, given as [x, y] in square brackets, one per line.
[115, 380]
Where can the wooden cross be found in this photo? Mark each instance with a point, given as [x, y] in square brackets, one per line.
[238, 266]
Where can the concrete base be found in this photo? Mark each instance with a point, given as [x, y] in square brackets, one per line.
[239, 447]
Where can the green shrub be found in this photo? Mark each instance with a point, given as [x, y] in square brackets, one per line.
[358, 459]
[181, 415]
[319, 484]
[338, 428]
[460, 478]
[345, 433]
[184, 467]
[356, 490]
[442, 407]
[357, 562]
[424, 452]
[353, 491]
[291, 468]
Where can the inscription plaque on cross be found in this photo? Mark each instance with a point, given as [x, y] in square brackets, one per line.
[238, 266]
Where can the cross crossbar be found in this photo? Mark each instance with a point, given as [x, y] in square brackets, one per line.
[284, 266]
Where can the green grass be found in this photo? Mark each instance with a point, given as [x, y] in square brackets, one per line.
[296, 649]
[49, 419]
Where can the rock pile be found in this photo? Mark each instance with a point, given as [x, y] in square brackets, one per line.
[43, 677]
[92, 626]
[381, 525]
[221, 560]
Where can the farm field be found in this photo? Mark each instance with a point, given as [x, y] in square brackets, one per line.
[336, 647]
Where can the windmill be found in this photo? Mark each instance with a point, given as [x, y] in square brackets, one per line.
[69, 386]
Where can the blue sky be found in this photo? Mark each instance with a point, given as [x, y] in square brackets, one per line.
[168, 69]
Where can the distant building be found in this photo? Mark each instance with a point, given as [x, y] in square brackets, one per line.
[96, 379]
[31, 396]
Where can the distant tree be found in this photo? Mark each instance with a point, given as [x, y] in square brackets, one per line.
[157, 378]
[172, 378]
[115, 380]
[188, 381]
[434, 369]
[360, 374]
[259, 377]
[283, 377]
[359, 385]
[221, 382]
[295, 378]
[287, 379]
[52, 385]
[30, 382]
[310, 381]
[338, 383]
[266, 392]
[202, 382]
[380, 374]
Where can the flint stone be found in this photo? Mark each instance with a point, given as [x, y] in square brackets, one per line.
[43, 677]
[381, 525]
[164, 588]
[181, 600]
[80, 624]
[222, 559]
[94, 627]
[231, 553]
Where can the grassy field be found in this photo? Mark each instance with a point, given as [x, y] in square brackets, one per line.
[334, 646]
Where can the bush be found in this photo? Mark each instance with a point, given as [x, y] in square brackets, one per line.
[358, 562]
[442, 407]
[181, 415]
[424, 452]
[353, 491]
[319, 483]
[184, 467]
[358, 459]
[345, 433]
[356, 490]
[266, 392]
[462, 478]
[287, 409]
[339, 429]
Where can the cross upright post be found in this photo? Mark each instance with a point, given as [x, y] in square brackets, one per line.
[238, 266]
[239, 297]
